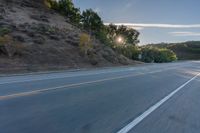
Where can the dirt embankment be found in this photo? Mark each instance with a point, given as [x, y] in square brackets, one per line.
[34, 37]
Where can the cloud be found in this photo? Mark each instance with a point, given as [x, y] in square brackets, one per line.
[137, 28]
[185, 33]
[142, 25]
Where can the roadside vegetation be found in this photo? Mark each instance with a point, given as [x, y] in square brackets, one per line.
[184, 51]
[8, 46]
[85, 43]
[122, 39]
[157, 55]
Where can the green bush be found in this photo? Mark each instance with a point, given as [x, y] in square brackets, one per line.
[157, 55]
[131, 52]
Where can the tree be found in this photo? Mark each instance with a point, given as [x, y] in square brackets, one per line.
[111, 32]
[91, 21]
[75, 16]
[130, 35]
[66, 8]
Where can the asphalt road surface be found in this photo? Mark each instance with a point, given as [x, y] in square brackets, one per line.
[157, 98]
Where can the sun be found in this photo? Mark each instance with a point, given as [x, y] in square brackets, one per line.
[120, 39]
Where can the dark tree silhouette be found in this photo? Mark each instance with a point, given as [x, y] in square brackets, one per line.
[91, 21]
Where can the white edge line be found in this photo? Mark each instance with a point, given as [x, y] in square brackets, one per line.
[137, 120]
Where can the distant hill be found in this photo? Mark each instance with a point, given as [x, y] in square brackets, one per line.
[184, 51]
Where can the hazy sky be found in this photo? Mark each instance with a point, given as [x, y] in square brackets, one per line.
[157, 20]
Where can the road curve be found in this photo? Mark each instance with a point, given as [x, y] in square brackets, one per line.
[157, 98]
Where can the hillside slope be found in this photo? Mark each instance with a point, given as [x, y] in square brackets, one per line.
[35, 37]
[184, 51]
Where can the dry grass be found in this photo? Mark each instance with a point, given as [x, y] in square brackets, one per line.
[10, 47]
[85, 43]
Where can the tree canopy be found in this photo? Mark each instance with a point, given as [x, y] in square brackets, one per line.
[66, 8]
[129, 35]
[91, 20]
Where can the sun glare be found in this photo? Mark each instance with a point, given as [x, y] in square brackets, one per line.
[120, 40]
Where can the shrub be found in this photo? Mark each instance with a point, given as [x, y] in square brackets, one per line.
[9, 47]
[50, 3]
[148, 54]
[85, 43]
[131, 52]
[166, 55]
[157, 55]
[4, 31]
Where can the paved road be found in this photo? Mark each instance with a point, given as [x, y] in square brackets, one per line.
[158, 98]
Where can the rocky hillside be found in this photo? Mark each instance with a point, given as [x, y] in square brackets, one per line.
[34, 37]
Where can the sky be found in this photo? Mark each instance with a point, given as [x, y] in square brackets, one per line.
[157, 20]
